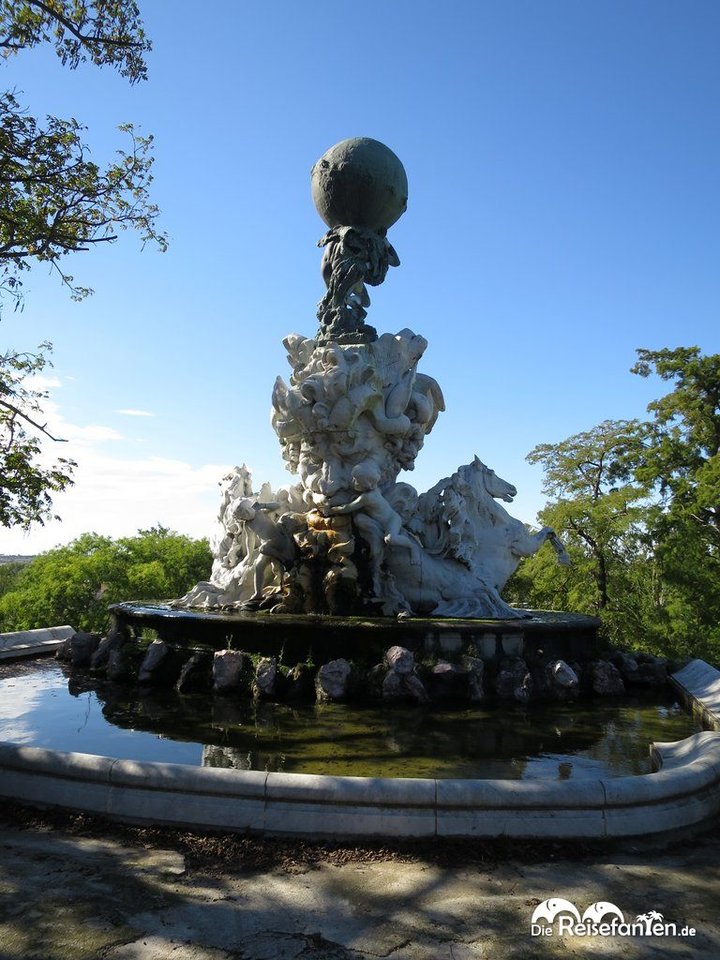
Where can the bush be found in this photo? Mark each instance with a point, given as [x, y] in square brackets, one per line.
[75, 584]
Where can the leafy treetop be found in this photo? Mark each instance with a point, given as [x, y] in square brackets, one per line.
[54, 200]
[597, 504]
[684, 456]
[76, 583]
[638, 504]
[592, 463]
[103, 32]
[25, 485]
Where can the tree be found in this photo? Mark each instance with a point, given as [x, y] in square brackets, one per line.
[103, 31]
[9, 573]
[26, 486]
[639, 506]
[682, 458]
[74, 584]
[598, 508]
[54, 201]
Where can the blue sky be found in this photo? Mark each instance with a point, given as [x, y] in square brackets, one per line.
[562, 160]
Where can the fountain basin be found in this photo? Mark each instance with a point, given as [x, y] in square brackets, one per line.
[48, 703]
[684, 791]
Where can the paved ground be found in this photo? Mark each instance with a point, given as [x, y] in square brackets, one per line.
[76, 888]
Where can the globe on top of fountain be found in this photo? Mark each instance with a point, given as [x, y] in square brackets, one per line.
[359, 183]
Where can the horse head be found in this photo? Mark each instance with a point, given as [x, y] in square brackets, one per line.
[494, 485]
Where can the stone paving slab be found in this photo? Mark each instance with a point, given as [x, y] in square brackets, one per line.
[158, 948]
[64, 897]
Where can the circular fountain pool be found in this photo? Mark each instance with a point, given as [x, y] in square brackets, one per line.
[575, 782]
[42, 704]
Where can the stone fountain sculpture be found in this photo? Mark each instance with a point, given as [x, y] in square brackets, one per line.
[349, 538]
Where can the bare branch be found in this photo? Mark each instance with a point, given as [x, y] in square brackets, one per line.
[42, 427]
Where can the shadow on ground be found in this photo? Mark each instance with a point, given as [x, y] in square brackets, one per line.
[79, 887]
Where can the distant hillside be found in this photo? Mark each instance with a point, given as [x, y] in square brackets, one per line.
[15, 558]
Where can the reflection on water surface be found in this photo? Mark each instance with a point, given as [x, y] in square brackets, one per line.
[42, 706]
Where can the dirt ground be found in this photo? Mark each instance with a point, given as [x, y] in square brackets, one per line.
[73, 886]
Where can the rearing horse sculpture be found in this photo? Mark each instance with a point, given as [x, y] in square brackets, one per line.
[498, 541]
[461, 519]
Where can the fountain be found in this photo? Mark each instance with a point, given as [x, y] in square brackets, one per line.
[349, 539]
[350, 584]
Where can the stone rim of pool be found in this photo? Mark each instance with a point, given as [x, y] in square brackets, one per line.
[683, 792]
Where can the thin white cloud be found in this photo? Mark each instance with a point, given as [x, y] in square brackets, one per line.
[91, 433]
[136, 413]
[41, 382]
[116, 495]
[73, 433]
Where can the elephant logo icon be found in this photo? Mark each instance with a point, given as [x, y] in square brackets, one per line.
[597, 912]
[548, 910]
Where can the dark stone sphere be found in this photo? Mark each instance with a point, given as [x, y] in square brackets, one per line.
[359, 183]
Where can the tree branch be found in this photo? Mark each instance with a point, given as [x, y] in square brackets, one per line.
[16, 411]
[75, 31]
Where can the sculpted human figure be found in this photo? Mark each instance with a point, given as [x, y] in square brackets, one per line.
[349, 403]
[376, 520]
[277, 548]
[354, 256]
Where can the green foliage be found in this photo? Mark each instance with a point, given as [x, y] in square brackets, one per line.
[54, 201]
[683, 458]
[103, 32]
[9, 573]
[26, 484]
[638, 505]
[74, 584]
[599, 512]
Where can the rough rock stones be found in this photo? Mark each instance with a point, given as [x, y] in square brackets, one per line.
[605, 679]
[401, 681]
[513, 681]
[333, 680]
[228, 670]
[268, 679]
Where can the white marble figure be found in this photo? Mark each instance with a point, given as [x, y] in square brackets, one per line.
[461, 517]
[349, 537]
[347, 404]
[471, 545]
[275, 547]
[254, 532]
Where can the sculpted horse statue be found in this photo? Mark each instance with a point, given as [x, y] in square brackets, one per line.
[496, 542]
[461, 518]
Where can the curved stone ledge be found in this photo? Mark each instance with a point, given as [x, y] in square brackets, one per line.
[569, 636]
[31, 643]
[699, 685]
[684, 792]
